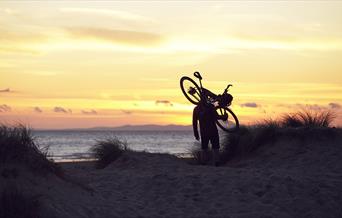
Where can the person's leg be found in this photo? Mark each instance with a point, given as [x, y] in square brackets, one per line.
[216, 157]
[204, 151]
[215, 143]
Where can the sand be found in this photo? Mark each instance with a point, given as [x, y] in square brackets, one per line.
[291, 178]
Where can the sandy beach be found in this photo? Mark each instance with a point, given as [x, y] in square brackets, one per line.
[291, 178]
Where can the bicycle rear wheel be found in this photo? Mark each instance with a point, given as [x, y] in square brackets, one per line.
[232, 122]
[190, 89]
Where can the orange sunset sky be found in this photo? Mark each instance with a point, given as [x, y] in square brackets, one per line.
[70, 64]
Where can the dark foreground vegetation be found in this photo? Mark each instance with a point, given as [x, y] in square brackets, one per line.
[108, 150]
[18, 150]
[302, 125]
[289, 167]
[18, 146]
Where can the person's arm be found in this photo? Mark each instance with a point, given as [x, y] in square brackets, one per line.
[209, 93]
[221, 117]
[195, 122]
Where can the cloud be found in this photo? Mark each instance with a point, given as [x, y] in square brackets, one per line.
[334, 105]
[314, 107]
[285, 105]
[126, 111]
[91, 112]
[110, 13]
[22, 36]
[155, 79]
[115, 36]
[164, 102]
[5, 90]
[37, 110]
[9, 49]
[9, 11]
[62, 110]
[270, 41]
[5, 108]
[20, 42]
[250, 104]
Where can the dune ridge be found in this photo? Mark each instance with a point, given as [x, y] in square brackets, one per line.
[292, 177]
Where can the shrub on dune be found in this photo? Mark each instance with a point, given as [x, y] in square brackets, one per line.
[18, 146]
[108, 150]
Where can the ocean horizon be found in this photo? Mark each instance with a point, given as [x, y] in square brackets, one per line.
[72, 145]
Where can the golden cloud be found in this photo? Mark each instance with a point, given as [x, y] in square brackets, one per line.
[116, 36]
[20, 41]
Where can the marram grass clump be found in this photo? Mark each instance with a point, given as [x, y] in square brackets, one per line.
[108, 150]
[308, 118]
[302, 125]
[18, 146]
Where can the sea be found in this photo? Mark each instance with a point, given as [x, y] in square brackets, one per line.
[75, 145]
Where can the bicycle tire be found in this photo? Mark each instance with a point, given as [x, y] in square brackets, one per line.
[228, 125]
[185, 92]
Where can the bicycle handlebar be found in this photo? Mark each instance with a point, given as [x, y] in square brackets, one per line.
[226, 90]
[198, 75]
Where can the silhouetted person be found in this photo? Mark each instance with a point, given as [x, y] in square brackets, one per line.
[206, 114]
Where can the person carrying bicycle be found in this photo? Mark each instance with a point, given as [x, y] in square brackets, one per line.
[205, 113]
[211, 109]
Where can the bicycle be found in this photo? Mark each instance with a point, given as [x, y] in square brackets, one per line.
[195, 94]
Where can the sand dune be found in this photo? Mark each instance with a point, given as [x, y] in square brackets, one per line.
[291, 178]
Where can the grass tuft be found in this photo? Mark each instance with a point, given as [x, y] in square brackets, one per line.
[248, 139]
[17, 145]
[108, 150]
[197, 158]
[237, 144]
[195, 153]
[308, 118]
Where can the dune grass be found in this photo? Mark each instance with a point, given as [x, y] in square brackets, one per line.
[249, 139]
[303, 125]
[15, 204]
[108, 150]
[308, 118]
[196, 156]
[17, 145]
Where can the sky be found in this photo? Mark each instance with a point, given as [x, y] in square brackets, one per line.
[79, 64]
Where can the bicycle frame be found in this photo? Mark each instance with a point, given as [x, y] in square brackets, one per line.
[196, 93]
[213, 97]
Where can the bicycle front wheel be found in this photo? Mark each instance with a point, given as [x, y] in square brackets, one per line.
[190, 89]
[231, 124]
